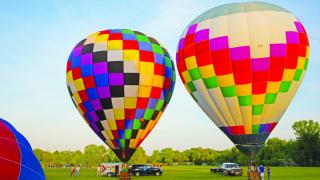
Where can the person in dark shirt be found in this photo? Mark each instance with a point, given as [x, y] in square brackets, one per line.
[268, 171]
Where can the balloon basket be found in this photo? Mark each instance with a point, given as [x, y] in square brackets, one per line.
[253, 175]
[125, 176]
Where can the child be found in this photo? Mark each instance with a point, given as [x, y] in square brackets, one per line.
[268, 171]
[98, 170]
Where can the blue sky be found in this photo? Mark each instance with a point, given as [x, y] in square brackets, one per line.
[37, 37]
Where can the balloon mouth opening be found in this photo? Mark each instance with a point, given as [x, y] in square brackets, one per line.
[251, 150]
[124, 155]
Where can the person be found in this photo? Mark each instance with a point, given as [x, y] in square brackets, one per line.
[73, 171]
[254, 166]
[77, 170]
[268, 171]
[261, 170]
[251, 165]
[99, 171]
[125, 168]
[145, 169]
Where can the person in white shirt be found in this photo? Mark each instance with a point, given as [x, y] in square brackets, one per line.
[77, 170]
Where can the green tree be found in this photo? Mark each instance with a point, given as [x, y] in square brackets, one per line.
[155, 157]
[179, 157]
[195, 155]
[39, 154]
[167, 155]
[93, 155]
[139, 157]
[101, 153]
[56, 161]
[47, 159]
[110, 156]
[273, 151]
[308, 142]
[76, 157]
[308, 134]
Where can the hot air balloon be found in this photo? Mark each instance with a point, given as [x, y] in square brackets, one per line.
[243, 63]
[121, 82]
[17, 160]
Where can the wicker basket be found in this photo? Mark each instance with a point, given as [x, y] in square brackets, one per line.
[124, 176]
[253, 175]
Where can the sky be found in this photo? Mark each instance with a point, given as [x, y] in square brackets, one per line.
[37, 37]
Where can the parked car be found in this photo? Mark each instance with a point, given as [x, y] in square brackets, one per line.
[146, 170]
[232, 169]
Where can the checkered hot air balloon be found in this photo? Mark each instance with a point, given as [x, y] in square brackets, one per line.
[243, 63]
[121, 82]
[17, 160]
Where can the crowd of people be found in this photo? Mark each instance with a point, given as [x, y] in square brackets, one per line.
[75, 171]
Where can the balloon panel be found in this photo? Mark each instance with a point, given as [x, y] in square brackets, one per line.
[243, 63]
[17, 160]
[120, 81]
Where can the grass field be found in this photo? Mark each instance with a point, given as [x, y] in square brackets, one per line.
[191, 172]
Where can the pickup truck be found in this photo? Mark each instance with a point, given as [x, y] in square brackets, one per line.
[232, 169]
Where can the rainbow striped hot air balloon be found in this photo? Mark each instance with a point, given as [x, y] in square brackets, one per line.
[243, 63]
[121, 82]
[17, 160]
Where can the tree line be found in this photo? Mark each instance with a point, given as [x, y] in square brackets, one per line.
[302, 151]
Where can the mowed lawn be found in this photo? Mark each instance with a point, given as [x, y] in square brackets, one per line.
[191, 172]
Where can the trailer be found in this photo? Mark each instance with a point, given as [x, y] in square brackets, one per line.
[111, 169]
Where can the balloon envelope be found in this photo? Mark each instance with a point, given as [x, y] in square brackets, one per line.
[17, 160]
[243, 63]
[121, 82]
